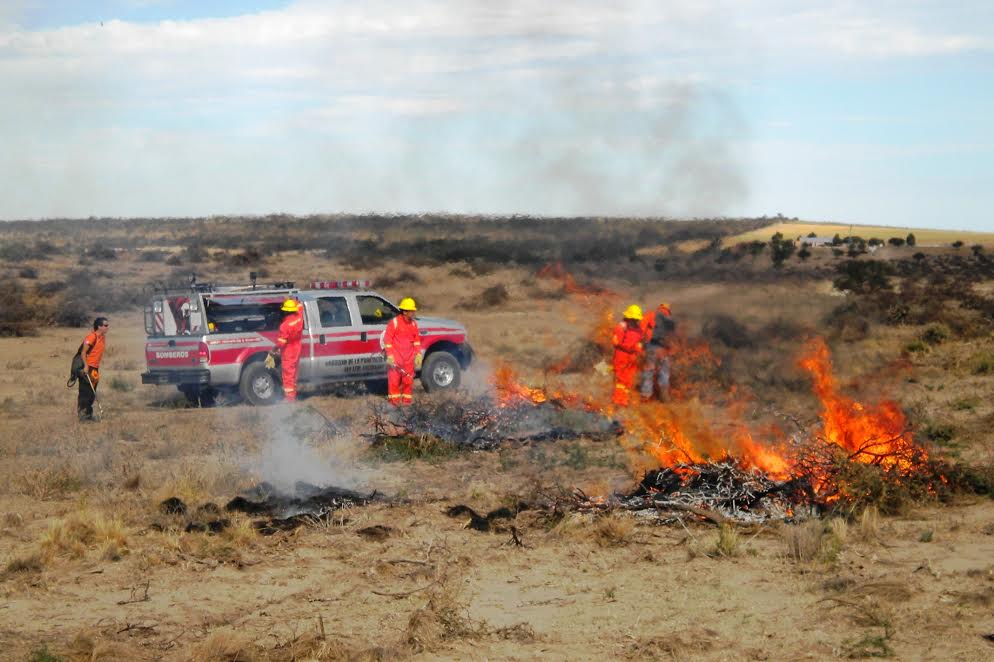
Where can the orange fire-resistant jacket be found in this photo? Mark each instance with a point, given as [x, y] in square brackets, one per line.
[402, 342]
[627, 344]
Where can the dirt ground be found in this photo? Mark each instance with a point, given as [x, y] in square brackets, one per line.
[87, 575]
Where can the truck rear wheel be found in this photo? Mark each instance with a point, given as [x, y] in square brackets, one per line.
[258, 385]
[440, 371]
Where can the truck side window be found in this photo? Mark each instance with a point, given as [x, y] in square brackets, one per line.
[375, 310]
[334, 311]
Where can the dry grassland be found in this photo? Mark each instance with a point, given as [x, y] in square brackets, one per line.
[90, 569]
[924, 237]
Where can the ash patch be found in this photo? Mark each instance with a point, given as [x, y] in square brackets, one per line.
[480, 424]
[307, 504]
[714, 490]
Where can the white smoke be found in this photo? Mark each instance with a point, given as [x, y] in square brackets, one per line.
[301, 447]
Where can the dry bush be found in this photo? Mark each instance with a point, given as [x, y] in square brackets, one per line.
[49, 482]
[402, 277]
[442, 619]
[492, 297]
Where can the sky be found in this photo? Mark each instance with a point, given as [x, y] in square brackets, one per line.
[874, 112]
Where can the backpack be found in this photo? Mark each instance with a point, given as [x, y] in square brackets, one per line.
[76, 367]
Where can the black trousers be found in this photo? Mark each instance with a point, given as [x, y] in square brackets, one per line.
[87, 394]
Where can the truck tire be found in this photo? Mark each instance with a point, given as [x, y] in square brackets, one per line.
[258, 385]
[440, 371]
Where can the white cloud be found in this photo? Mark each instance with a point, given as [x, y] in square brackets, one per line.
[564, 107]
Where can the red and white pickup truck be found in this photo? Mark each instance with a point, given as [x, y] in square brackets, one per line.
[210, 340]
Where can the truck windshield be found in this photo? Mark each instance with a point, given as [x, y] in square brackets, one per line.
[240, 316]
[174, 316]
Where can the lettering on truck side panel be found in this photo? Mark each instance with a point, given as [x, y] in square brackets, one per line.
[368, 360]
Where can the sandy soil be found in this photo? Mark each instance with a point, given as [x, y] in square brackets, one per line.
[915, 586]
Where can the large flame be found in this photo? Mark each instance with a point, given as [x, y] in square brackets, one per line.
[874, 434]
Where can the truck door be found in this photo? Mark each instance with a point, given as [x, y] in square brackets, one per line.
[336, 340]
[374, 313]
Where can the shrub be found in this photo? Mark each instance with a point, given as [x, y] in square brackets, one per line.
[896, 241]
[804, 253]
[935, 334]
[940, 433]
[406, 277]
[17, 318]
[957, 244]
[100, 253]
[29, 273]
[916, 347]
[728, 331]
[153, 256]
[780, 249]
[858, 276]
[492, 297]
[910, 239]
[982, 363]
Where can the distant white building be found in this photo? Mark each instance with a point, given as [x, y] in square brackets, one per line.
[816, 241]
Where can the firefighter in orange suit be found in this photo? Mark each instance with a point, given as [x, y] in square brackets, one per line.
[402, 346]
[288, 344]
[658, 340]
[91, 351]
[627, 342]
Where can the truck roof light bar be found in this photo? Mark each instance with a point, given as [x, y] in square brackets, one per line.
[339, 284]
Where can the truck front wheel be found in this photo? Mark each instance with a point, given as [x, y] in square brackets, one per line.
[258, 385]
[440, 371]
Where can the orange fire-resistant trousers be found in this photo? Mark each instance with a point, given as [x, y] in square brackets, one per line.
[625, 369]
[290, 359]
[400, 383]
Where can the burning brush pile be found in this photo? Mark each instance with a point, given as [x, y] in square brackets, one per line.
[513, 413]
[855, 454]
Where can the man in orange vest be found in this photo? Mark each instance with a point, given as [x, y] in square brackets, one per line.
[627, 342]
[658, 336]
[91, 352]
[402, 346]
[288, 343]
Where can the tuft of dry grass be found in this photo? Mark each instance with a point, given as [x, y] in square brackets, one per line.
[32, 562]
[869, 525]
[614, 530]
[224, 645]
[240, 533]
[80, 531]
[815, 540]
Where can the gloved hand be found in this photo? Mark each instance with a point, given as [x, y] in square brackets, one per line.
[390, 361]
[418, 360]
[270, 361]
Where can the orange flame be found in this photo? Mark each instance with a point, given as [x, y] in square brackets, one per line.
[556, 271]
[873, 434]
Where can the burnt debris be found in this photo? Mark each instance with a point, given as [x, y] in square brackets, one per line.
[308, 504]
[715, 490]
[480, 424]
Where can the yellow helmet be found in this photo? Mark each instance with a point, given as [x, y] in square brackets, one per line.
[290, 306]
[407, 303]
[633, 312]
